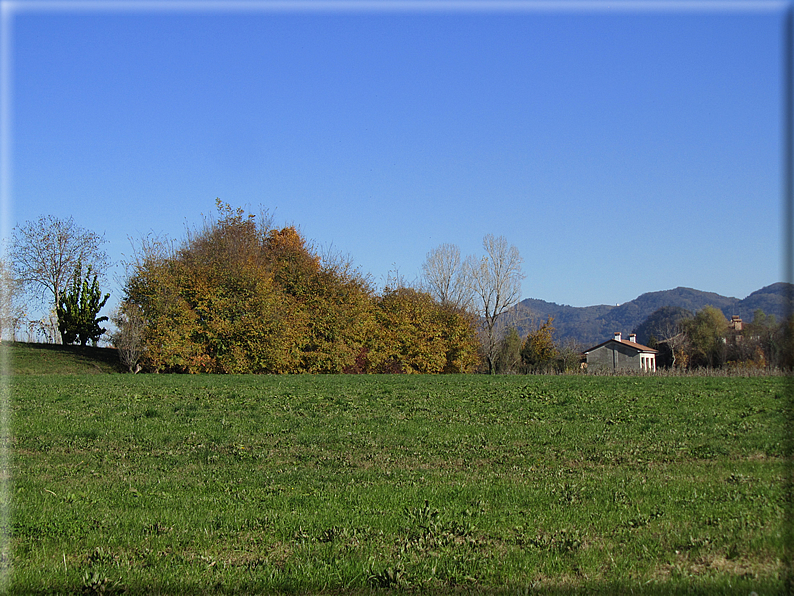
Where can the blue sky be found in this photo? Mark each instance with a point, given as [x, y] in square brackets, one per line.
[622, 151]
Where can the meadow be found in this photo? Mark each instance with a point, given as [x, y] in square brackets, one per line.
[165, 484]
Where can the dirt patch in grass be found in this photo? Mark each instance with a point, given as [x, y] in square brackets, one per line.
[710, 564]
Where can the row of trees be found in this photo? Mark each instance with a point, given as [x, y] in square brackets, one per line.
[241, 296]
[238, 295]
[537, 352]
[707, 339]
[487, 286]
[684, 340]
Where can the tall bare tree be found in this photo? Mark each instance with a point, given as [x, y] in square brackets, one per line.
[129, 338]
[46, 251]
[673, 335]
[496, 284]
[445, 277]
[12, 311]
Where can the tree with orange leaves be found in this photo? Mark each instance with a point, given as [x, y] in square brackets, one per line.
[239, 296]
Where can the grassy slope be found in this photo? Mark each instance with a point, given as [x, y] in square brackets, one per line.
[194, 485]
[49, 359]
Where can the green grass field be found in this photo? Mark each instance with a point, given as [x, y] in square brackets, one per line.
[162, 484]
[55, 359]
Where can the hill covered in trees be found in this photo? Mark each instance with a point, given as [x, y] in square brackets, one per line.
[591, 325]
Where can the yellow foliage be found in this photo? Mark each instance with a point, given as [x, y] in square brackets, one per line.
[539, 349]
[236, 298]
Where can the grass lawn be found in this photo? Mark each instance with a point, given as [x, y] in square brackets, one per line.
[57, 359]
[165, 484]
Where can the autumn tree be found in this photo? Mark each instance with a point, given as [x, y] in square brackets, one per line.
[495, 280]
[459, 334]
[46, 251]
[239, 296]
[406, 341]
[212, 304]
[706, 333]
[338, 302]
[152, 288]
[417, 334]
[766, 333]
[539, 350]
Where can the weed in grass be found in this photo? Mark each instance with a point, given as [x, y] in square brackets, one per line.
[96, 583]
[640, 520]
[390, 577]
[151, 413]
[88, 434]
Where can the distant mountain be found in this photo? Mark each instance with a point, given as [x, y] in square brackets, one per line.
[771, 299]
[590, 325]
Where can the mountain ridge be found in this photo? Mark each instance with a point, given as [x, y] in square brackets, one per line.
[595, 324]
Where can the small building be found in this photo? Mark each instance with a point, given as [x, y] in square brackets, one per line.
[620, 354]
[735, 330]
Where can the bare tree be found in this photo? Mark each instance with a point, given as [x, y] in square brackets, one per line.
[496, 284]
[570, 355]
[674, 336]
[129, 336]
[149, 250]
[343, 265]
[397, 281]
[445, 278]
[12, 311]
[46, 251]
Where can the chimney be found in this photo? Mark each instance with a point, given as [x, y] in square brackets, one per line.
[617, 336]
[633, 337]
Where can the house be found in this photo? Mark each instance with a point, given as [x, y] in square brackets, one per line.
[735, 330]
[620, 354]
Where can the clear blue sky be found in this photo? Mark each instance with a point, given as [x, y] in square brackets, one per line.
[622, 151]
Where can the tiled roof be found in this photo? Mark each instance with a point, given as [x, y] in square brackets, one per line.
[625, 342]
